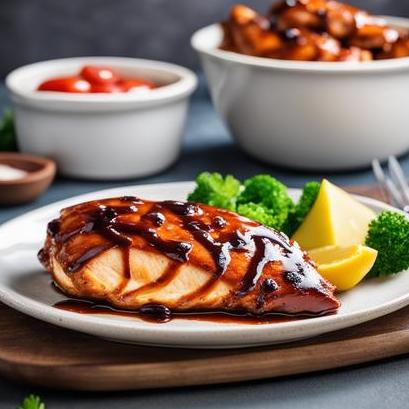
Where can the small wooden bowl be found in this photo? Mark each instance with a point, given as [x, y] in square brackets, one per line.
[40, 174]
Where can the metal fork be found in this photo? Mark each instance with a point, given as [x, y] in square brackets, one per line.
[393, 183]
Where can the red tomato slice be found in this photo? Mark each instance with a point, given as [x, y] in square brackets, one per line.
[98, 75]
[66, 84]
[128, 85]
[106, 88]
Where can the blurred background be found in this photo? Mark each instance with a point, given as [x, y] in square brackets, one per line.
[33, 30]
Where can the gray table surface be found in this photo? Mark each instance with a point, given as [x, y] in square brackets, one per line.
[207, 146]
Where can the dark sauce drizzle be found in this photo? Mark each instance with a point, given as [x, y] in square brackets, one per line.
[264, 245]
[157, 313]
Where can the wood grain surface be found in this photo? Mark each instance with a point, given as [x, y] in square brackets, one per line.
[39, 353]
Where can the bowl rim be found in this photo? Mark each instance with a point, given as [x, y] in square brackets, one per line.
[47, 168]
[198, 42]
[183, 86]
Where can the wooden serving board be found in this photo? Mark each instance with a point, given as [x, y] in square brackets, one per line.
[39, 353]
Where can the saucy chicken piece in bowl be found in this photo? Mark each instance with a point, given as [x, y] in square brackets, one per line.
[313, 30]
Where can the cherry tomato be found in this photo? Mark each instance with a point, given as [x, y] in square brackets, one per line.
[66, 84]
[106, 88]
[127, 85]
[98, 75]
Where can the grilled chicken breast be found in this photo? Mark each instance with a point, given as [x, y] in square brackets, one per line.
[129, 253]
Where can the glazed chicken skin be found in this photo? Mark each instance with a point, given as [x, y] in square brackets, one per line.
[188, 257]
[312, 30]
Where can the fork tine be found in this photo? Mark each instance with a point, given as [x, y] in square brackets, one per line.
[381, 179]
[399, 178]
[378, 171]
[397, 199]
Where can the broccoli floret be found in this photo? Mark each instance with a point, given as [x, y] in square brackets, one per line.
[263, 198]
[214, 190]
[32, 402]
[302, 208]
[260, 214]
[389, 234]
[266, 200]
[307, 200]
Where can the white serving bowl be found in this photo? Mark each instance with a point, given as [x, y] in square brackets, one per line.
[309, 115]
[103, 136]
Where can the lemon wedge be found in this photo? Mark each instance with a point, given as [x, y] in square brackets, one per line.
[336, 218]
[344, 266]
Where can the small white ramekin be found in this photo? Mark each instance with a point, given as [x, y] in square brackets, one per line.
[103, 136]
[309, 115]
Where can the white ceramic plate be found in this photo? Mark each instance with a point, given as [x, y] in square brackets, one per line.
[26, 287]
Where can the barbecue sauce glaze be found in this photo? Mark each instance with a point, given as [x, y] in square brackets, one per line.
[219, 232]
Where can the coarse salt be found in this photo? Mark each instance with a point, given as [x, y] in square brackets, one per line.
[10, 173]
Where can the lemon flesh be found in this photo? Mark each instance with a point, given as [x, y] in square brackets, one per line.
[345, 267]
[336, 218]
